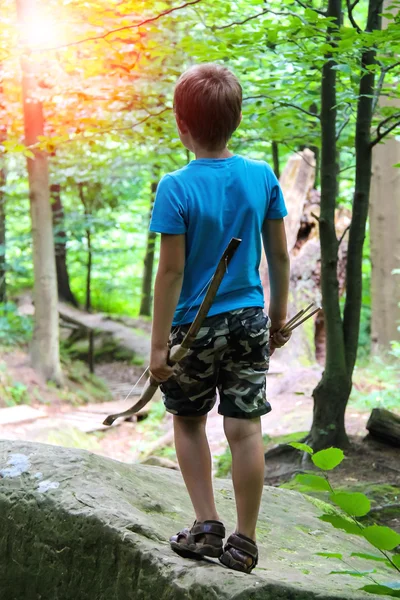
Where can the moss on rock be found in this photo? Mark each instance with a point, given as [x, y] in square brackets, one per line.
[76, 525]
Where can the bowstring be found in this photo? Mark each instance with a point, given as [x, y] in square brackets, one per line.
[172, 332]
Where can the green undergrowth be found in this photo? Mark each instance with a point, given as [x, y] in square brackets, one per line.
[81, 386]
[379, 494]
[15, 329]
[377, 384]
[223, 462]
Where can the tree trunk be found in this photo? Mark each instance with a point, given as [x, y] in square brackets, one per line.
[331, 394]
[3, 137]
[385, 245]
[145, 305]
[275, 158]
[352, 309]
[64, 290]
[2, 235]
[88, 301]
[45, 341]
[385, 236]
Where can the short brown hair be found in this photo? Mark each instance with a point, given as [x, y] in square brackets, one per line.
[208, 98]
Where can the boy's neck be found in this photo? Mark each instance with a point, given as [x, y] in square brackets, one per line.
[202, 153]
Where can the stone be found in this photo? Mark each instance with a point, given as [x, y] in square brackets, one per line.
[160, 461]
[79, 526]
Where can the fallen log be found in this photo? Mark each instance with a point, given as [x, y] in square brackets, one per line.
[385, 426]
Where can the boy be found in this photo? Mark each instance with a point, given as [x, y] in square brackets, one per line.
[198, 209]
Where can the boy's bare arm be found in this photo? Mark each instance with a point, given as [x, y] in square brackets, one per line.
[167, 289]
[275, 245]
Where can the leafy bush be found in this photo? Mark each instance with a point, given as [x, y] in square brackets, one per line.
[14, 328]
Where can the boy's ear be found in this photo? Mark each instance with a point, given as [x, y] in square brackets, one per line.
[181, 125]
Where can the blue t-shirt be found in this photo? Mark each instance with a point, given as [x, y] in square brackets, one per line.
[212, 200]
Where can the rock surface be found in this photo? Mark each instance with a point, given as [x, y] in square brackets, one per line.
[75, 526]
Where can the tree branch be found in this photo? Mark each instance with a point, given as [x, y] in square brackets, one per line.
[343, 234]
[320, 12]
[289, 104]
[382, 134]
[379, 85]
[105, 35]
[350, 7]
[263, 12]
[92, 134]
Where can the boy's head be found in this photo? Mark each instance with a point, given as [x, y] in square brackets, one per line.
[208, 104]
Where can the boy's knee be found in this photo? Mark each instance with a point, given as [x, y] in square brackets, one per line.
[239, 429]
[190, 422]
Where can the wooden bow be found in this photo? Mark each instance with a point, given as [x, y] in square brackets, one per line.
[180, 351]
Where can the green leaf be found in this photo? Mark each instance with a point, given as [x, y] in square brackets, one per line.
[396, 560]
[353, 573]
[354, 503]
[341, 523]
[330, 555]
[313, 482]
[303, 447]
[369, 556]
[328, 459]
[381, 590]
[383, 538]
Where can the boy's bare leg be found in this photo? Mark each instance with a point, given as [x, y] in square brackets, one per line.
[245, 440]
[194, 458]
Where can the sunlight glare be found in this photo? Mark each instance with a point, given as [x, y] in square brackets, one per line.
[41, 32]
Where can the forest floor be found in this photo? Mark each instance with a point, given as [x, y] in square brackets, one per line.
[67, 418]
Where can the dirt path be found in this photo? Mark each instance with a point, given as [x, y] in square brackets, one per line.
[289, 393]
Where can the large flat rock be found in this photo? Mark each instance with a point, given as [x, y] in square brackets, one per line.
[75, 526]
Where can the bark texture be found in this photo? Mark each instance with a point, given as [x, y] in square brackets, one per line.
[385, 426]
[352, 309]
[3, 136]
[331, 394]
[2, 234]
[385, 237]
[385, 244]
[148, 266]
[63, 285]
[45, 341]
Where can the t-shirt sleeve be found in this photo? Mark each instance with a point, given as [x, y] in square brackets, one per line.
[276, 206]
[168, 214]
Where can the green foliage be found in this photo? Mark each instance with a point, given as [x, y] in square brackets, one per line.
[303, 447]
[328, 459]
[377, 384]
[312, 482]
[383, 590]
[224, 464]
[354, 504]
[14, 328]
[16, 394]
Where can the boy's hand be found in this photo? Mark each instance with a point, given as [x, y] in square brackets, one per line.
[159, 367]
[278, 339]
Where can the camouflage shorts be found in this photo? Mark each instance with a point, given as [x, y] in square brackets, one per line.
[231, 354]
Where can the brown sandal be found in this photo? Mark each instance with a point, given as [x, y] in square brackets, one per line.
[240, 553]
[203, 539]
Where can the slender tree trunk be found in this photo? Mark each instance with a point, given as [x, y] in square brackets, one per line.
[3, 137]
[64, 289]
[147, 283]
[88, 301]
[45, 341]
[351, 319]
[2, 235]
[275, 158]
[331, 394]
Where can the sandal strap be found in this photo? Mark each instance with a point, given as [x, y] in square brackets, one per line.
[213, 527]
[242, 543]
